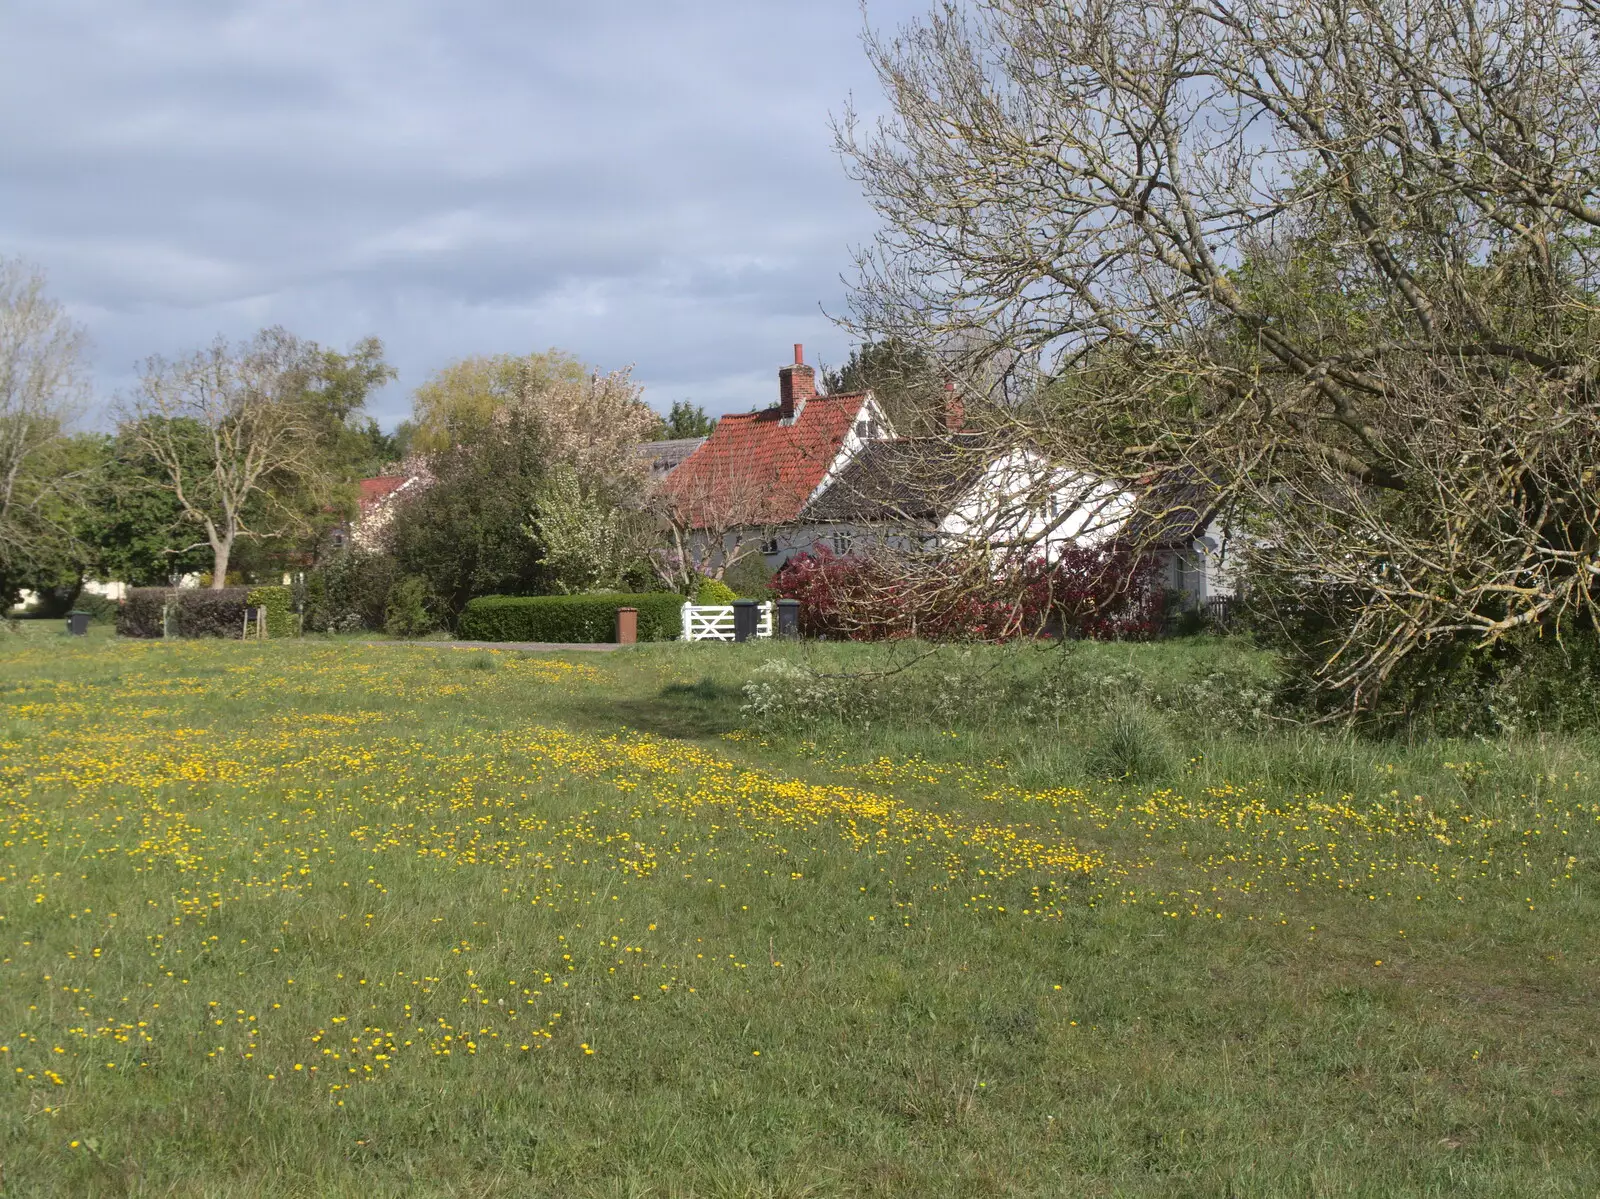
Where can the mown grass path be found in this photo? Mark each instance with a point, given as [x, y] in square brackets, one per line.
[325, 919]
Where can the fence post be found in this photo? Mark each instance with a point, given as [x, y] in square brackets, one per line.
[686, 605]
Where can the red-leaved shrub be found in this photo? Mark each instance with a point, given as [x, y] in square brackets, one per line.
[1103, 593]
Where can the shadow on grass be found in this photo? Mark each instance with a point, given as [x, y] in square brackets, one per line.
[686, 710]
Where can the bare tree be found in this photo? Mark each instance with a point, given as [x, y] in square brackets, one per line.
[1336, 260]
[42, 386]
[231, 431]
[710, 518]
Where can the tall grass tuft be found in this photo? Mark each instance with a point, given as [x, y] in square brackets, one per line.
[1129, 742]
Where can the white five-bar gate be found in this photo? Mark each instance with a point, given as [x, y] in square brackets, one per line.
[714, 622]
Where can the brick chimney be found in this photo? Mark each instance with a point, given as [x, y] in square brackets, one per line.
[796, 385]
[955, 412]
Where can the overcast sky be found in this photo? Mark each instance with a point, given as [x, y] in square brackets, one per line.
[637, 181]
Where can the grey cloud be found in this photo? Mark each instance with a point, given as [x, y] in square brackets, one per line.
[634, 181]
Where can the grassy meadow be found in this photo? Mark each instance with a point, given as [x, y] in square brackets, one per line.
[319, 918]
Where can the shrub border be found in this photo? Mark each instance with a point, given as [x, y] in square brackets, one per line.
[569, 619]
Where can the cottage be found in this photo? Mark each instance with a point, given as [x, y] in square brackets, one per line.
[664, 457]
[742, 491]
[963, 491]
[829, 471]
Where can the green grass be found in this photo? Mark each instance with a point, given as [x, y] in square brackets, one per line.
[998, 923]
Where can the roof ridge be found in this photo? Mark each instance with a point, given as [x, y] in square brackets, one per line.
[779, 463]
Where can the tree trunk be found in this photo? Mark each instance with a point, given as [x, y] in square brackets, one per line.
[221, 551]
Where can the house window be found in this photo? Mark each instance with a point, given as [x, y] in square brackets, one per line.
[842, 543]
[769, 546]
[867, 430]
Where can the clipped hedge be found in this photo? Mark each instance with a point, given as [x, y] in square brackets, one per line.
[139, 614]
[202, 612]
[280, 613]
[569, 618]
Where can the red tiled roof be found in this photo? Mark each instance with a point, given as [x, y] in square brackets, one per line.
[373, 490]
[755, 470]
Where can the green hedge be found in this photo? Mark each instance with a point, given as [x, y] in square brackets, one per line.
[197, 612]
[205, 612]
[280, 614]
[202, 612]
[569, 618]
[139, 614]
